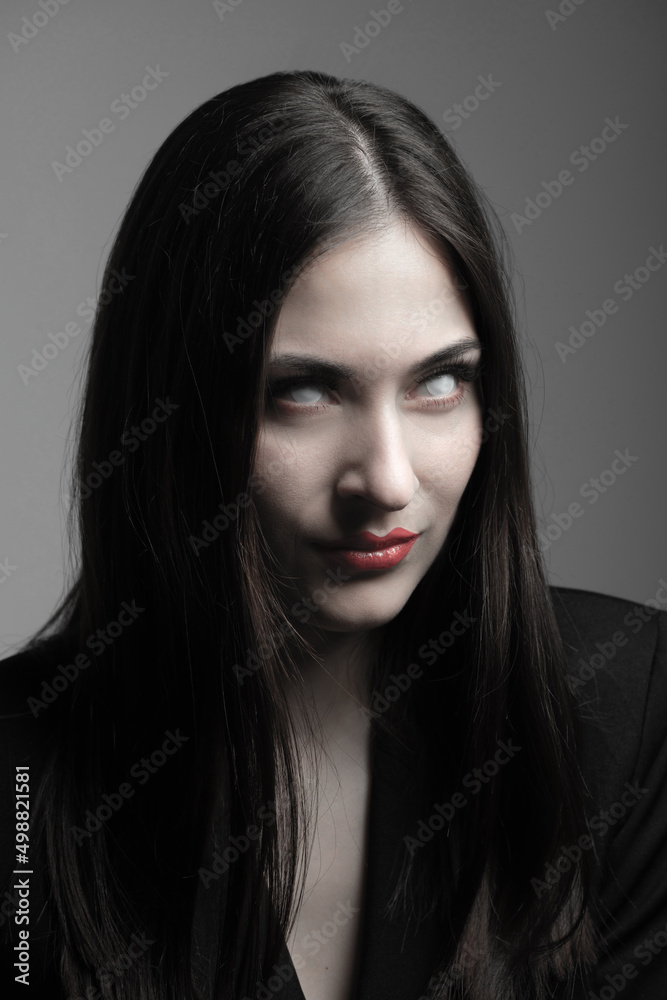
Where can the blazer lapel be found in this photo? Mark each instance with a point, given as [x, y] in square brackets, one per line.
[397, 958]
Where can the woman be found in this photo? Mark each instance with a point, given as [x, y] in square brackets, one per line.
[270, 752]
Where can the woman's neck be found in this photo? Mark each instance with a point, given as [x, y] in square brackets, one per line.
[335, 682]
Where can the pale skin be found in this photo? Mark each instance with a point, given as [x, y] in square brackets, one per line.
[370, 454]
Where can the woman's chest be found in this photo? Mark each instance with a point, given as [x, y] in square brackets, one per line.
[324, 943]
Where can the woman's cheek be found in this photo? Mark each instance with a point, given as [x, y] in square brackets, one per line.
[448, 471]
[282, 498]
[469, 442]
[275, 463]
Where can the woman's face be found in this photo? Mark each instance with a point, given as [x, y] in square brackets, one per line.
[372, 447]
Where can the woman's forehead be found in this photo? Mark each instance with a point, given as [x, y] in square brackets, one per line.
[382, 278]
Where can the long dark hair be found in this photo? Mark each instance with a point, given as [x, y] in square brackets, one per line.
[244, 193]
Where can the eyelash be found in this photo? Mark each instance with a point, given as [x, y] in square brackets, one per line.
[467, 373]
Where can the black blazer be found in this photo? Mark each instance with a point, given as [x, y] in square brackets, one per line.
[617, 662]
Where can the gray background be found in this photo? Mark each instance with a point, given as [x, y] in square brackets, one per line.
[557, 84]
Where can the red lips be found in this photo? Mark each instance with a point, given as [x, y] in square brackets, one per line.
[369, 552]
[366, 541]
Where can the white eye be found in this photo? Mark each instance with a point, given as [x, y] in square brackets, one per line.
[305, 393]
[444, 384]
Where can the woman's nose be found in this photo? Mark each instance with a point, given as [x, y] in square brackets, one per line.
[378, 463]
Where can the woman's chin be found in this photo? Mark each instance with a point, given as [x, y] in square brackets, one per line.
[358, 616]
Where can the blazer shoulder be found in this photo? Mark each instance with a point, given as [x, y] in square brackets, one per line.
[27, 673]
[617, 655]
[27, 725]
[616, 652]
[609, 633]
[31, 683]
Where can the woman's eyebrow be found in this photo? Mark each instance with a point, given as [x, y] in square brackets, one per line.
[319, 368]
